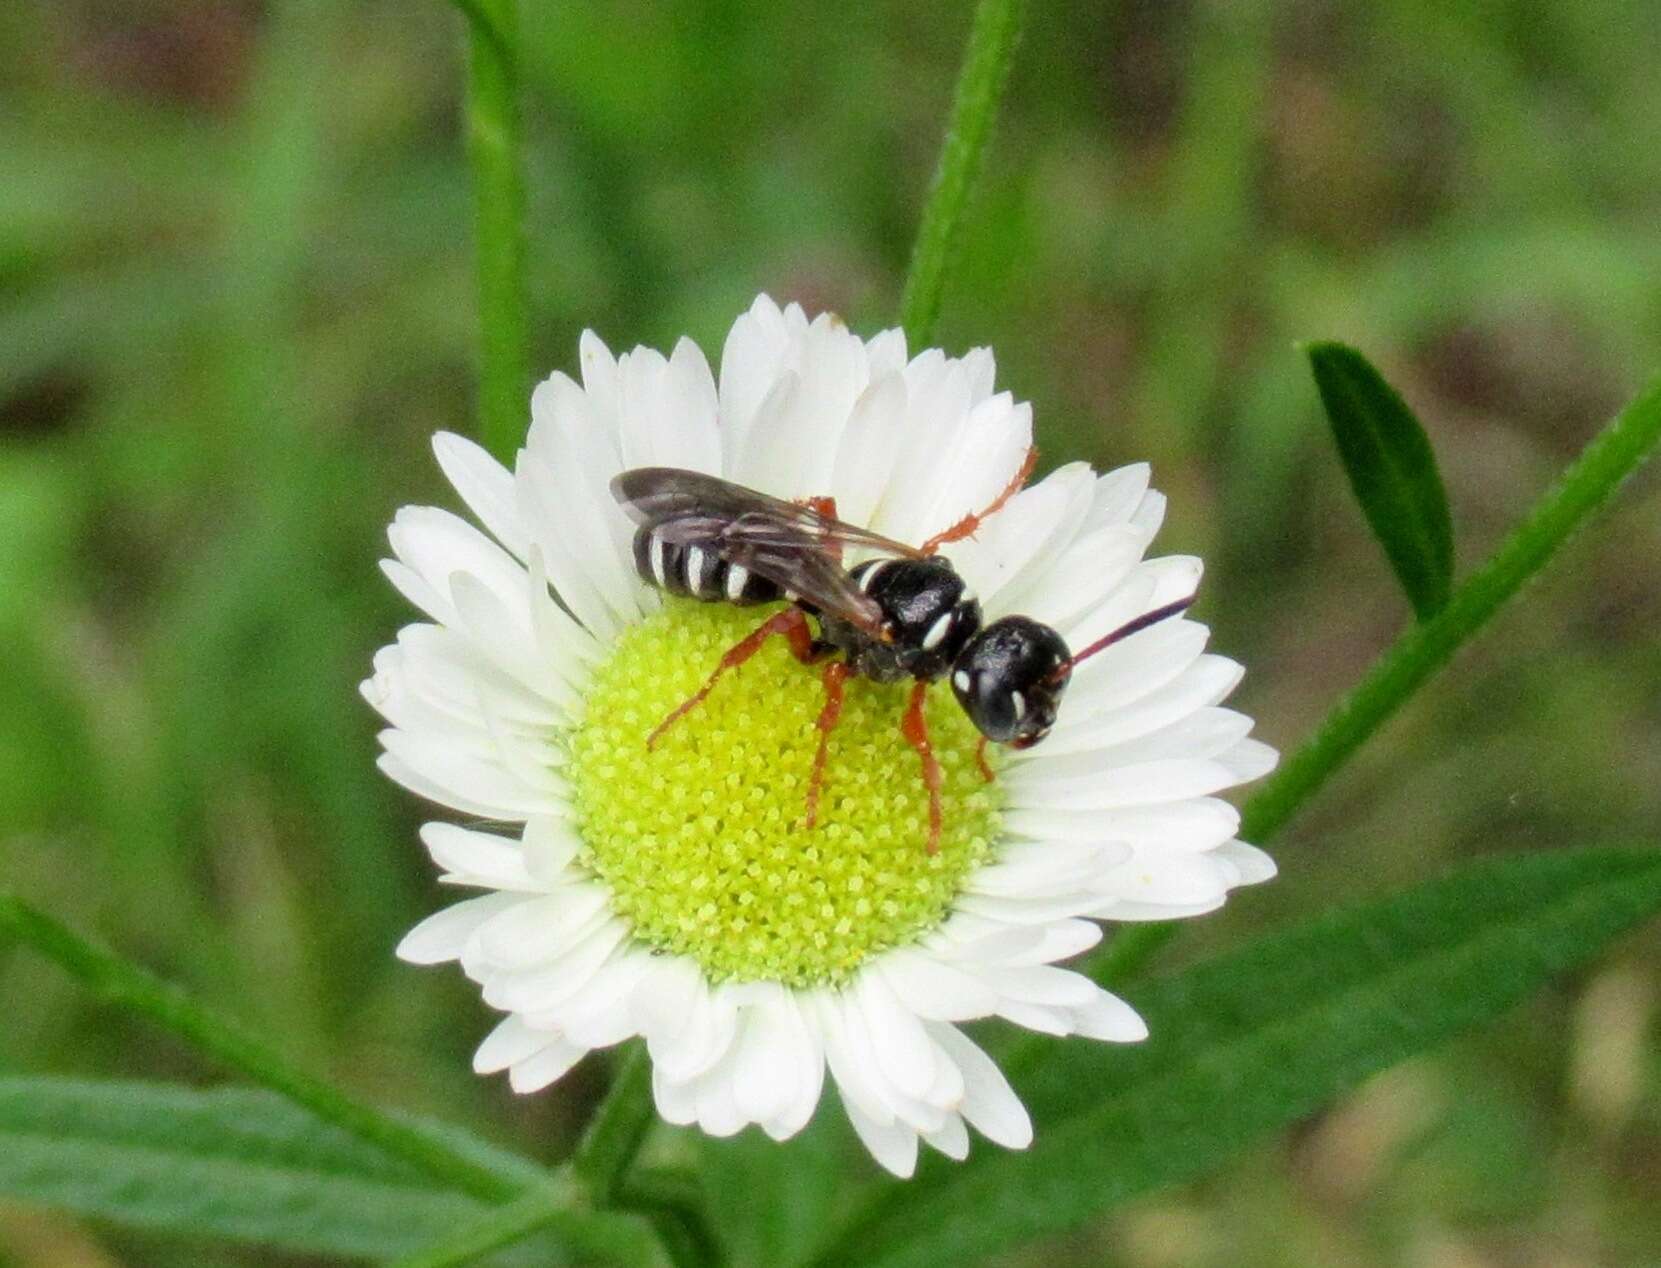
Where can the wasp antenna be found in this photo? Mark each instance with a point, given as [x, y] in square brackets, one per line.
[1133, 626]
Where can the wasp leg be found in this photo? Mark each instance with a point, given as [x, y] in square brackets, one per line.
[791, 623]
[966, 526]
[824, 505]
[914, 726]
[836, 673]
[980, 760]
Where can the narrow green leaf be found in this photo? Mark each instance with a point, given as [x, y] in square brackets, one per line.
[234, 1164]
[495, 149]
[1255, 1040]
[1392, 470]
[133, 987]
[980, 87]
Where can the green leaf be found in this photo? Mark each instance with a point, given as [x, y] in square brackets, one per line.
[1393, 471]
[1255, 1040]
[231, 1164]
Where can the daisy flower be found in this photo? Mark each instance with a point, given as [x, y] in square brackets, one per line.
[676, 893]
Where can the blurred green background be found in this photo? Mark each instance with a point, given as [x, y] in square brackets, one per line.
[236, 300]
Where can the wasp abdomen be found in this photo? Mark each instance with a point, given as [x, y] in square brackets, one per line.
[696, 572]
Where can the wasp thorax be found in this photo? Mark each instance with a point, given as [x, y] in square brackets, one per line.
[1010, 680]
[930, 612]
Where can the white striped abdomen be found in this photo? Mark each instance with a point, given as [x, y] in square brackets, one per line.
[696, 572]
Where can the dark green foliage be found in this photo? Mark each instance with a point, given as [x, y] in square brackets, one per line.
[1392, 469]
[230, 1164]
[1258, 1038]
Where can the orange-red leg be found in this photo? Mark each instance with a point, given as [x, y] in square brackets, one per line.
[980, 760]
[966, 526]
[836, 674]
[914, 726]
[824, 505]
[791, 623]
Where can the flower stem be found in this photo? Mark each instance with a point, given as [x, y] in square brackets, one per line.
[980, 87]
[123, 983]
[494, 147]
[631, 1242]
[1423, 649]
[618, 1129]
[601, 1161]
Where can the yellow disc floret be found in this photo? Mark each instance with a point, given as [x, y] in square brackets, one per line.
[703, 839]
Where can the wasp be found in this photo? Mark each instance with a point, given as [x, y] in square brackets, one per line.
[903, 612]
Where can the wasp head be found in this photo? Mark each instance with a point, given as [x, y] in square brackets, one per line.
[1010, 680]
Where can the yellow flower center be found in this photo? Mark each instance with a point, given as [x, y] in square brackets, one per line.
[703, 839]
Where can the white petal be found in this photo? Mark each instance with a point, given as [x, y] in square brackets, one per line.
[1249, 759]
[934, 989]
[773, 1059]
[477, 858]
[543, 928]
[1043, 984]
[771, 456]
[465, 783]
[1176, 879]
[870, 447]
[706, 1038]
[1108, 1017]
[442, 935]
[1033, 525]
[1250, 863]
[1117, 495]
[599, 375]
[598, 1014]
[1132, 668]
[551, 983]
[1124, 910]
[537, 1072]
[952, 1139]
[989, 1103]
[751, 363]
[421, 786]
[485, 485]
[1115, 787]
[903, 1051]
[852, 1068]
[511, 1042]
[893, 1145]
[549, 844]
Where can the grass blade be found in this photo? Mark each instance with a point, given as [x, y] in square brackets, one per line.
[1392, 469]
[495, 148]
[980, 88]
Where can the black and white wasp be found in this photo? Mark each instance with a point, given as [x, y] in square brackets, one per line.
[902, 613]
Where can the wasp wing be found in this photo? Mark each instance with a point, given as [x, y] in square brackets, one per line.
[654, 495]
[789, 544]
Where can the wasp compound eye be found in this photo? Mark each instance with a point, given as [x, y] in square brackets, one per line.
[1010, 679]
